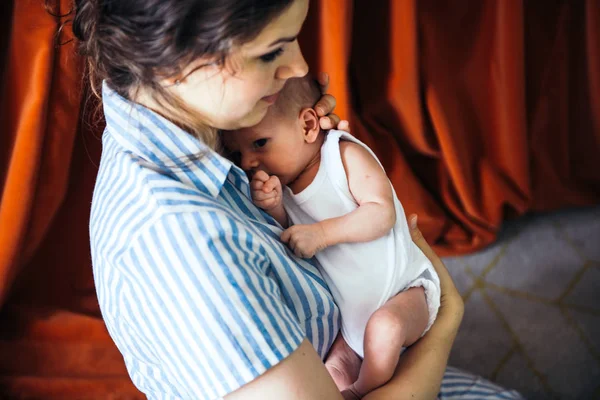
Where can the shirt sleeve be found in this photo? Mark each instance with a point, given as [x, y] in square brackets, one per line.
[202, 301]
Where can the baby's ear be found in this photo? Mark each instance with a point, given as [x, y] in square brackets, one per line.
[310, 124]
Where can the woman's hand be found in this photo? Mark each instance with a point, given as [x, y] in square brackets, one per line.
[325, 106]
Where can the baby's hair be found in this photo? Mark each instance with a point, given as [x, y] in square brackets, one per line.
[297, 94]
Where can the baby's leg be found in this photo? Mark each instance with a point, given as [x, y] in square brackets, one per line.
[399, 323]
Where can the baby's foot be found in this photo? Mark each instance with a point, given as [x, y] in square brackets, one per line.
[339, 375]
[342, 363]
[351, 394]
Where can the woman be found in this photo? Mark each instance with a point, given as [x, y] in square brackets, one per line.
[197, 291]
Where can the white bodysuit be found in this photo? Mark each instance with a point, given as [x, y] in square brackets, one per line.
[361, 276]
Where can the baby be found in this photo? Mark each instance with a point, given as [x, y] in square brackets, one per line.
[333, 196]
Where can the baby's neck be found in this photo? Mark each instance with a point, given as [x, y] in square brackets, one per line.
[309, 172]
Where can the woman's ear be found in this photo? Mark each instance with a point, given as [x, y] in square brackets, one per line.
[310, 124]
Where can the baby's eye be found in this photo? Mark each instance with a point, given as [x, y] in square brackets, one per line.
[260, 143]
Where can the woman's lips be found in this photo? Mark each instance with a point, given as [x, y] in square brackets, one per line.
[270, 99]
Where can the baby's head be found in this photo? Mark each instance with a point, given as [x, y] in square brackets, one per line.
[287, 139]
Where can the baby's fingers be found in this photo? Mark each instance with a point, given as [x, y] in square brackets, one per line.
[261, 176]
[266, 204]
[297, 249]
[288, 234]
[285, 236]
[299, 253]
[272, 184]
[293, 245]
[256, 185]
[259, 195]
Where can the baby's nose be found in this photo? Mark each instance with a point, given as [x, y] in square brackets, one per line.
[248, 162]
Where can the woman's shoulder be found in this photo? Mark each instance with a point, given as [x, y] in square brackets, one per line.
[133, 195]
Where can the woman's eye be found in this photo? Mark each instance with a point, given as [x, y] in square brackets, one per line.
[269, 57]
[260, 143]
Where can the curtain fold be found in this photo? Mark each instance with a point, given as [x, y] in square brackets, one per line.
[479, 110]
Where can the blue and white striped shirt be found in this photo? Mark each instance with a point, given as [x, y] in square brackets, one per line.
[196, 289]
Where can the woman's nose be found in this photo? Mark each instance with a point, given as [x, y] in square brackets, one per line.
[296, 67]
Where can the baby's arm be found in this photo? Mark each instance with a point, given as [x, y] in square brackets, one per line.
[266, 194]
[371, 188]
[374, 217]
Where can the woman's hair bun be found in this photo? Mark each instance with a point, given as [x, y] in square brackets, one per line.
[86, 18]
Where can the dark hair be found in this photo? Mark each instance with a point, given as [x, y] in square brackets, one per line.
[298, 93]
[135, 43]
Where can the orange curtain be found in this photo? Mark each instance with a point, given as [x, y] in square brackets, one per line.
[480, 111]
[53, 343]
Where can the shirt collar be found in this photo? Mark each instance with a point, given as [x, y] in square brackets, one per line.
[160, 142]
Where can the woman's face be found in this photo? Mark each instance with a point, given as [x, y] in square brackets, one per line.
[239, 95]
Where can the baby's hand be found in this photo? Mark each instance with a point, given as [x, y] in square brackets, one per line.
[265, 190]
[305, 240]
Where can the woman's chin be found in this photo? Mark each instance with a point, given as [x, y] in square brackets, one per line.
[254, 117]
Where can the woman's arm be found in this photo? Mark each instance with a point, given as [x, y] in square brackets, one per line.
[421, 368]
[300, 376]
